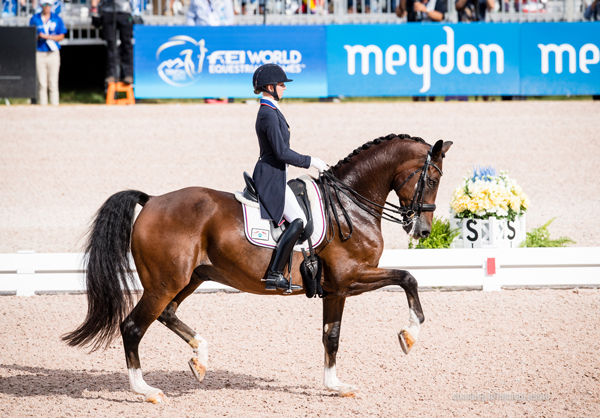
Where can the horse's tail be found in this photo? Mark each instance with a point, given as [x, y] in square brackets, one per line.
[108, 278]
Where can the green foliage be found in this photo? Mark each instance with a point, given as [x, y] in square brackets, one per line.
[540, 237]
[441, 235]
[82, 97]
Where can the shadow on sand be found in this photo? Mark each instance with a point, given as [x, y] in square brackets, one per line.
[39, 381]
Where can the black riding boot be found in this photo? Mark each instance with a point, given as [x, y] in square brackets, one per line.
[275, 279]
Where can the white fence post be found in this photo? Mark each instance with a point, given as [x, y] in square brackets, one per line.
[25, 273]
[491, 281]
[569, 10]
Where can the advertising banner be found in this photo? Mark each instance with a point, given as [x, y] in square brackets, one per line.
[371, 60]
[193, 62]
[423, 59]
[560, 58]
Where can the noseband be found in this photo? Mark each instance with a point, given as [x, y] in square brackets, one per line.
[389, 211]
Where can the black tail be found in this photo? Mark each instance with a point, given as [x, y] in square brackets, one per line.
[108, 278]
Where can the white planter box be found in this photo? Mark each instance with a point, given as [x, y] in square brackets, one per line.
[488, 233]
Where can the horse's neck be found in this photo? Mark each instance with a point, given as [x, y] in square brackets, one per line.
[371, 172]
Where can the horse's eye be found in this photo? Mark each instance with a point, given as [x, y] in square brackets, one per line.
[431, 182]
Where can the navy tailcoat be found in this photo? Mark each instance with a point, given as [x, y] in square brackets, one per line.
[270, 171]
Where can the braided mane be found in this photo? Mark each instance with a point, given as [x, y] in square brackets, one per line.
[376, 142]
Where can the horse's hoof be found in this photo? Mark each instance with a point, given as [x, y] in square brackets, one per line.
[406, 340]
[348, 392]
[157, 396]
[198, 370]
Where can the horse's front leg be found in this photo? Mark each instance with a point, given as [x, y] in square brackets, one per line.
[333, 308]
[372, 278]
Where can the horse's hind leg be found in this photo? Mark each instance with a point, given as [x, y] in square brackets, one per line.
[133, 329]
[199, 362]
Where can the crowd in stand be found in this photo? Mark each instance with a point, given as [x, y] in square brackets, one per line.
[222, 12]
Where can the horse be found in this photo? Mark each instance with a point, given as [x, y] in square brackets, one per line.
[185, 237]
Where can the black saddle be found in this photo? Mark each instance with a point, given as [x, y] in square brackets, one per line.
[299, 189]
[249, 191]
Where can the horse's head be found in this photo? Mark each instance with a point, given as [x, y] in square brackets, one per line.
[416, 183]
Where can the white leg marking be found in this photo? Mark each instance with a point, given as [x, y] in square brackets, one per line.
[408, 336]
[201, 351]
[139, 386]
[414, 324]
[199, 363]
[332, 382]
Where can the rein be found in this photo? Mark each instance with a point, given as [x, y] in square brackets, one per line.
[388, 211]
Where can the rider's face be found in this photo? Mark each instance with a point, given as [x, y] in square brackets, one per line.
[280, 89]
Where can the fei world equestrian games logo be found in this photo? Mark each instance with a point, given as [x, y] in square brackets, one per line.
[182, 59]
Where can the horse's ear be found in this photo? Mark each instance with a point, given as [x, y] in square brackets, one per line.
[440, 147]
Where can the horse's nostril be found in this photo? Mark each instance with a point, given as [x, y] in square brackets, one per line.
[425, 234]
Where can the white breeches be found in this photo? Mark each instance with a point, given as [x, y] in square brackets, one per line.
[292, 209]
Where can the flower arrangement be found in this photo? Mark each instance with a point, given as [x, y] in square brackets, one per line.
[486, 194]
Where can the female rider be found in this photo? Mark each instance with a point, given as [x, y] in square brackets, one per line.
[276, 199]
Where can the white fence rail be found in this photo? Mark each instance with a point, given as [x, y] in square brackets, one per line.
[27, 273]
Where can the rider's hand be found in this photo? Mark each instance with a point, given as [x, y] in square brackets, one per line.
[318, 164]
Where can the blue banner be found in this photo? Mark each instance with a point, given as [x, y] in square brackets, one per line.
[560, 58]
[371, 60]
[192, 62]
[423, 59]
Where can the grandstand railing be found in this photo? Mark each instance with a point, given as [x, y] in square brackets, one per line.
[75, 13]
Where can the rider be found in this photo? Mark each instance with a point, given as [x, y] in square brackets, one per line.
[276, 199]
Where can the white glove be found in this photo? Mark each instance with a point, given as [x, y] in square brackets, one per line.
[318, 164]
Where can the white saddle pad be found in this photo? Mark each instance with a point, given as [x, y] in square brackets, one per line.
[258, 230]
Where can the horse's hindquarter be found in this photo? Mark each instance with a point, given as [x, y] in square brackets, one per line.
[203, 230]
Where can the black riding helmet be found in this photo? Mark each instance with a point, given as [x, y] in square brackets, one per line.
[269, 75]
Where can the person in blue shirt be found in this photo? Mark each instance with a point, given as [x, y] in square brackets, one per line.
[210, 13]
[50, 30]
[276, 199]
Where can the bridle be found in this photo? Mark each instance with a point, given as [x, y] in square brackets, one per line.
[331, 185]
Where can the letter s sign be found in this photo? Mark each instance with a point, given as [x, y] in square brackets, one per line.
[475, 236]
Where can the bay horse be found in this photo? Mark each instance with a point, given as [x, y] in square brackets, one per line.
[186, 237]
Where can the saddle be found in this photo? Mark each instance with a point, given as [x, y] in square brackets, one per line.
[299, 189]
[311, 266]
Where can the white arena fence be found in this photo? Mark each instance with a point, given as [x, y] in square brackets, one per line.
[75, 13]
[27, 273]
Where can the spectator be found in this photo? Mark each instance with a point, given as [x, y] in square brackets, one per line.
[473, 10]
[9, 8]
[33, 7]
[592, 12]
[116, 14]
[210, 13]
[422, 11]
[358, 5]
[51, 30]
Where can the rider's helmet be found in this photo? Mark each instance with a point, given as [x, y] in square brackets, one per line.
[268, 75]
